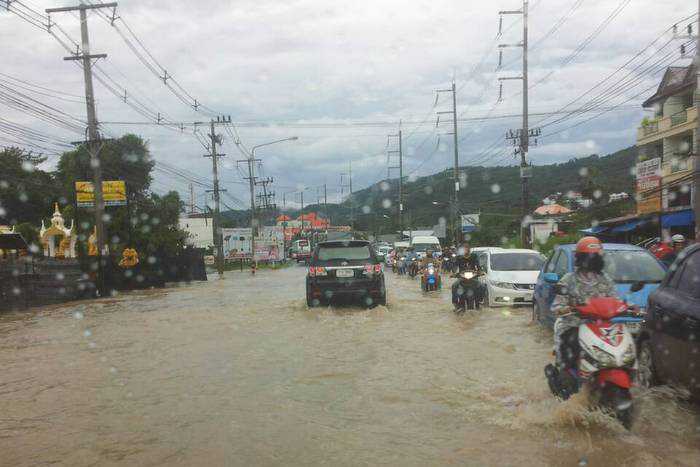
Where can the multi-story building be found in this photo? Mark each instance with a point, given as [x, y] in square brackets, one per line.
[666, 144]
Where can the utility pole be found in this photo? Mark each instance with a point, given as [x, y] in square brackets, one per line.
[455, 142]
[398, 135]
[521, 138]
[348, 174]
[216, 219]
[251, 185]
[325, 204]
[191, 199]
[696, 165]
[93, 143]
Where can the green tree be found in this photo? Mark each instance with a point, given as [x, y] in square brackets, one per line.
[27, 193]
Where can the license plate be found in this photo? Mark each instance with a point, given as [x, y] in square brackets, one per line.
[345, 273]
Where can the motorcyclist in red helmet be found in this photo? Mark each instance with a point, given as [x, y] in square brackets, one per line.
[587, 281]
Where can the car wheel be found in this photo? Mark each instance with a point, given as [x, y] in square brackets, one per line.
[645, 366]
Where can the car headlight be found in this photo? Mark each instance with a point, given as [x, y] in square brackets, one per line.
[605, 359]
[503, 285]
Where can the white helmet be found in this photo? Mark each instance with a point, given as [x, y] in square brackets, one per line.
[678, 238]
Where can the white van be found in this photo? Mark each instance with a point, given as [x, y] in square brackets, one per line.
[421, 244]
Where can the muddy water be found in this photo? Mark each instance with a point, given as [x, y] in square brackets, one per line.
[239, 372]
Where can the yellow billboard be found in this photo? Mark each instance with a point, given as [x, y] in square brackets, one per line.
[649, 203]
[113, 193]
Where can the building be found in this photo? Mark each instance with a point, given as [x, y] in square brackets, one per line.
[666, 143]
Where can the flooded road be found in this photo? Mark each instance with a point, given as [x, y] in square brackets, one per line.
[239, 372]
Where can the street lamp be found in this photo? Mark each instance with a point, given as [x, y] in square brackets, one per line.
[251, 161]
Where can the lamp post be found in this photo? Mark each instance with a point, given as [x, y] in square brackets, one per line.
[251, 180]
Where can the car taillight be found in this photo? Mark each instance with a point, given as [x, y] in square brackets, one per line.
[317, 271]
[378, 268]
[368, 268]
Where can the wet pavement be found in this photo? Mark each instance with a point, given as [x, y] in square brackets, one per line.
[239, 372]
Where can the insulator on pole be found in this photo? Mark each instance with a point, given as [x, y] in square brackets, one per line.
[500, 58]
[690, 29]
[500, 91]
[682, 49]
[675, 29]
[500, 25]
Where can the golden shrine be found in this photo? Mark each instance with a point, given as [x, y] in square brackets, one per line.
[58, 241]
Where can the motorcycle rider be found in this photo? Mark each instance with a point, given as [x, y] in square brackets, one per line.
[465, 261]
[587, 281]
[678, 243]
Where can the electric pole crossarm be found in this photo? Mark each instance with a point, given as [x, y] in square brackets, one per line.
[84, 56]
[81, 7]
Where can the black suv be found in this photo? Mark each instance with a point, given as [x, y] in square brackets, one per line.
[348, 268]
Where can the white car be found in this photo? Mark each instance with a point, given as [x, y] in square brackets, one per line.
[510, 276]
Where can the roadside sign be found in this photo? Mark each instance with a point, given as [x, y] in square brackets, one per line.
[470, 222]
[113, 193]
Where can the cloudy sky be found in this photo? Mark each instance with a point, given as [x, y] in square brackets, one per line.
[341, 75]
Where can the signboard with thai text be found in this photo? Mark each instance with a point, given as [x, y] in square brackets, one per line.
[649, 174]
[113, 193]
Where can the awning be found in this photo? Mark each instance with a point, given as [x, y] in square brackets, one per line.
[594, 230]
[678, 219]
[628, 226]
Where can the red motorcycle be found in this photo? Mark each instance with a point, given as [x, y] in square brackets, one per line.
[601, 353]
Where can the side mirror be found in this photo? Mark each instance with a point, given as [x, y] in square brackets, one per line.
[637, 286]
[551, 277]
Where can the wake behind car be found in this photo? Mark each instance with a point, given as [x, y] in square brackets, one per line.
[345, 269]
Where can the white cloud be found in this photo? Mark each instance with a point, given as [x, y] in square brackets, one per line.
[314, 60]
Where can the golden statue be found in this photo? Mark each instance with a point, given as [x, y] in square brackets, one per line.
[92, 243]
[130, 258]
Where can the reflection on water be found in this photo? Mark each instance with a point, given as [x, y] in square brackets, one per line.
[239, 372]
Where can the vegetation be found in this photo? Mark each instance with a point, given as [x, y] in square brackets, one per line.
[149, 223]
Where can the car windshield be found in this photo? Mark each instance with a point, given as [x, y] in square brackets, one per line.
[424, 247]
[517, 262]
[633, 266]
[350, 252]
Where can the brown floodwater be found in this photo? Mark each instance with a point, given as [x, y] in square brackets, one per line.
[239, 372]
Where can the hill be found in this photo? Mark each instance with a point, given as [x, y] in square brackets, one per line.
[493, 191]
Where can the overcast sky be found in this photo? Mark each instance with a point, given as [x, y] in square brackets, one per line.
[275, 64]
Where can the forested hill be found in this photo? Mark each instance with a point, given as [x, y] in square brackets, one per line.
[488, 189]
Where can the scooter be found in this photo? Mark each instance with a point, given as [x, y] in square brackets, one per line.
[469, 291]
[430, 280]
[602, 356]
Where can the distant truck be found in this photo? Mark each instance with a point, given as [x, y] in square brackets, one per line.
[421, 244]
[300, 250]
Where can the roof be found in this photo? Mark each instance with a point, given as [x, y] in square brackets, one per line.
[552, 209]
[12, 241]
[606, 246]
[675, 80]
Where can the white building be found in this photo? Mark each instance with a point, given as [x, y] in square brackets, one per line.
[199, 229]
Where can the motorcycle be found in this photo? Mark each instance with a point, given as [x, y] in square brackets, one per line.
[413, 267]
[602, 356]
[430, 280]
[469, 291]
[401, 266]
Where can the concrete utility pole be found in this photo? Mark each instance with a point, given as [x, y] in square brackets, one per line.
[216, 220]
[521, 138]
[696, 165]
[348, 174]
[251, 160]
[455, 200]
[325, 203]
[398, 135]
[93, 142]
